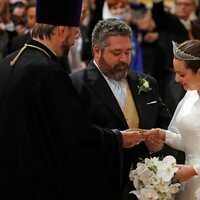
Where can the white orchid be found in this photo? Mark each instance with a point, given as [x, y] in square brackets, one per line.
[144, 177]
[174, 188]
[148, 194]
[152, 179]
[167, 168]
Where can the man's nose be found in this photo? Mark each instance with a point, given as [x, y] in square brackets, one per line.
[124, 57]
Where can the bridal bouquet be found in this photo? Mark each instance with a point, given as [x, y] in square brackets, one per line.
[152, 179]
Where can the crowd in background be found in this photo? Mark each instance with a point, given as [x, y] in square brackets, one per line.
[17, 18]
[154, 27]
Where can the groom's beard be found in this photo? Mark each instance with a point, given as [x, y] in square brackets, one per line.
[118, 72]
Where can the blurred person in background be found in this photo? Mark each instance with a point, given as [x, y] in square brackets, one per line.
[7, 27]
[147, 36]
[80, 54]
[4, 39]
[120, 9]
[19, 41]
[18, 12]
[6, 22]
[86, 49]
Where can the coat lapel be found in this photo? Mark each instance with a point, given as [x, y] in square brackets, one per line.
[103, 91]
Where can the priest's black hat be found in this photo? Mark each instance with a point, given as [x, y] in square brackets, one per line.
[59, 12]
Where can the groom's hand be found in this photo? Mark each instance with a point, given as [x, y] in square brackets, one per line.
[132, 137]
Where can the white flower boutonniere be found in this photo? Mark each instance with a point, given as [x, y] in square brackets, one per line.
[143, 85]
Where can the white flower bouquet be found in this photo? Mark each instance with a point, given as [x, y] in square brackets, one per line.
[153, 179]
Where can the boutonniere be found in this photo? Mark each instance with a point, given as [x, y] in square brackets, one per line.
[143, 85]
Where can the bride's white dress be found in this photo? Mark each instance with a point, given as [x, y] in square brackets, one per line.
[184, 134]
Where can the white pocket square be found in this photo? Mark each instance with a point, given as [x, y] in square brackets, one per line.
[152, 102]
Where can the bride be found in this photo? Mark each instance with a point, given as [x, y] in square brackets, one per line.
[184, 130]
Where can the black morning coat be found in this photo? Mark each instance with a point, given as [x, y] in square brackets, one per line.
[48, 147]
[105, 111]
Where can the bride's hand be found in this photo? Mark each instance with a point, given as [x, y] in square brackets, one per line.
[154, 139]
[184, 173]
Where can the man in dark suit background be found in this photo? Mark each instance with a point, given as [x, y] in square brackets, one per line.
[97, 85]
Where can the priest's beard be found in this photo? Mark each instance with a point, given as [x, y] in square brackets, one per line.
[117, 72]
[65, 48]
[66, 45]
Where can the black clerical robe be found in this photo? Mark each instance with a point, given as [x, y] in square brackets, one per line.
[48, 147]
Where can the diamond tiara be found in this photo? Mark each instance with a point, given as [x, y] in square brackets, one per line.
[179, 54]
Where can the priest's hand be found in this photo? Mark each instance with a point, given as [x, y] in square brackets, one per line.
[132, 137]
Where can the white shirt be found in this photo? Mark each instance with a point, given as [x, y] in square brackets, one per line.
[112, 83]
